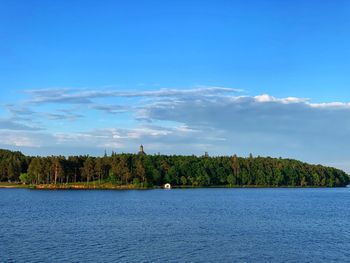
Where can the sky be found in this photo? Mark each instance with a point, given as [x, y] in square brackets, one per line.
[269, 78]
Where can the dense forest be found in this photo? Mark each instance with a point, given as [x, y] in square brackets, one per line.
[144, 170]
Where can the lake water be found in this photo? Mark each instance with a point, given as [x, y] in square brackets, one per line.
[193, 225]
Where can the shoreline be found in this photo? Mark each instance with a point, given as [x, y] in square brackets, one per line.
[108, 186]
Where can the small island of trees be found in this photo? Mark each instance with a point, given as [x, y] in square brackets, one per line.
[146, 171]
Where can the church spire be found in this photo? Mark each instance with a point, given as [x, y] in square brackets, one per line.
[141, 152]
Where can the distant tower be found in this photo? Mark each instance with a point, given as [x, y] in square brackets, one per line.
[142, 152]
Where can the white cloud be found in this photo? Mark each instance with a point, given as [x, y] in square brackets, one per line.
[186, 121]
[331, 105]
[23, 138]
[111, 109]
[289, 127]
[288, 100]
[10, 124]
[83, 96]
[120, 138]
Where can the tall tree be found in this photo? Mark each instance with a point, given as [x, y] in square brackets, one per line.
[140, 170]
[88, 170]
[35, 170]
[235, 167]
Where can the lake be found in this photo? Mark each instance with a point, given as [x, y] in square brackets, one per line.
[190, 225]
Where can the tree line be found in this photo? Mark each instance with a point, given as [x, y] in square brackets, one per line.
[156, 170]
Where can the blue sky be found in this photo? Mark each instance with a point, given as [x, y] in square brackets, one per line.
[266, 77]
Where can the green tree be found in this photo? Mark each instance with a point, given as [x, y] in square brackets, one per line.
[231, 179]
[183, 180]
[99, 168]
[140, 171]
[35, 171]
[88, 170]
[24, 178]
[235, 167]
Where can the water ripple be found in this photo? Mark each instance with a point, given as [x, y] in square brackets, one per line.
[199, 225]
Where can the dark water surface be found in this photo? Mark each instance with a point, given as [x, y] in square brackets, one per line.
[193, 225]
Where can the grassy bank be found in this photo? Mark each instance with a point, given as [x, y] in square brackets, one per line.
[14, 185]
[73, 186]
[110, 186]
[82, 186]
